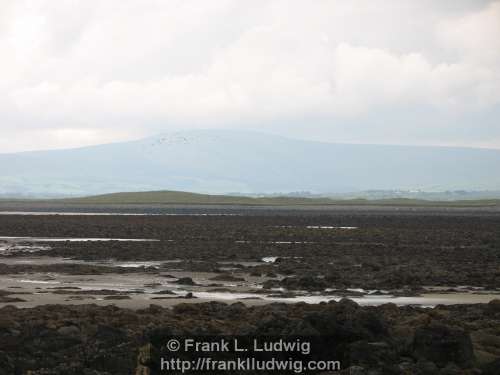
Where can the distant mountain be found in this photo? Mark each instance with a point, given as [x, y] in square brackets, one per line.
[221, 161]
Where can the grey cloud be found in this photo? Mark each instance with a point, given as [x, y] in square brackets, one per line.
[412, 72]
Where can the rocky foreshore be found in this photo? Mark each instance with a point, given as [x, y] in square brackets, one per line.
[397, 252]
[48, 327]
[92, 340]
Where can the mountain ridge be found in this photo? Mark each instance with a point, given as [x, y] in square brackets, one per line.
[181, 134]
[222, 161]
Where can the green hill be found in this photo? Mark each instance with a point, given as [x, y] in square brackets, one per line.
[179, 197]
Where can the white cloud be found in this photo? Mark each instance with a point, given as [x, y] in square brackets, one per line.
[130, 68]
[474, 36]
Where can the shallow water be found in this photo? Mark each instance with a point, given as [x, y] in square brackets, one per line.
[12, 249]
[137, 285]
[427, 300]
[273, 259]
[279, 242]
[72, 239]
[30, 281]
[44, 213]
[328, 227]
[136, 264]
[143, 288]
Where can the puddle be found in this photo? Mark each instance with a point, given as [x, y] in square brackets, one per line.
[227, 296]
[38, 281]
[51, 213]
[72, 239]
[328, 227]
[11, 249]
[46, 260]
[273, 259]
[429, 300]
[37, 260]
[141, 287]
[289, 242]
[278, 242]
[316, 227]
[155, 264]
[239, 262]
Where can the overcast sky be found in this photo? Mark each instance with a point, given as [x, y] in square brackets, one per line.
[395, 72]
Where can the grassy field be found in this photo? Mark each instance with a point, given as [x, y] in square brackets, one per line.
[178, 197]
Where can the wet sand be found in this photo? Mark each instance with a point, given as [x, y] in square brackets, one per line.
[138, 290]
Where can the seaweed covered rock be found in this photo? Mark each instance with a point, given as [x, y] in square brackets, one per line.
[443, 344]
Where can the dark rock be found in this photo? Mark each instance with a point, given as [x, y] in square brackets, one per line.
[356, 370]
[451, 369]
[166, 291]
[271, 284]
[304, 283]
[69, 331]
[372, 354]
[7, 366]
[491, 368]
[494, 306]
[227, 277]
[425, 367]
[116, 297]
[185, 281]
[443, 344]
[7, 299]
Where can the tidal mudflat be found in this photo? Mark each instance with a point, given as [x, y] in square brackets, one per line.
[409, 271]
[404, 258]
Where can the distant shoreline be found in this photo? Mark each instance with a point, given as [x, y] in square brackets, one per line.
[51, 208]
[173, 198]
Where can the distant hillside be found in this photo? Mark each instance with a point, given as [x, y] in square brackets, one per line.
[221, 161]
[178, 197]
